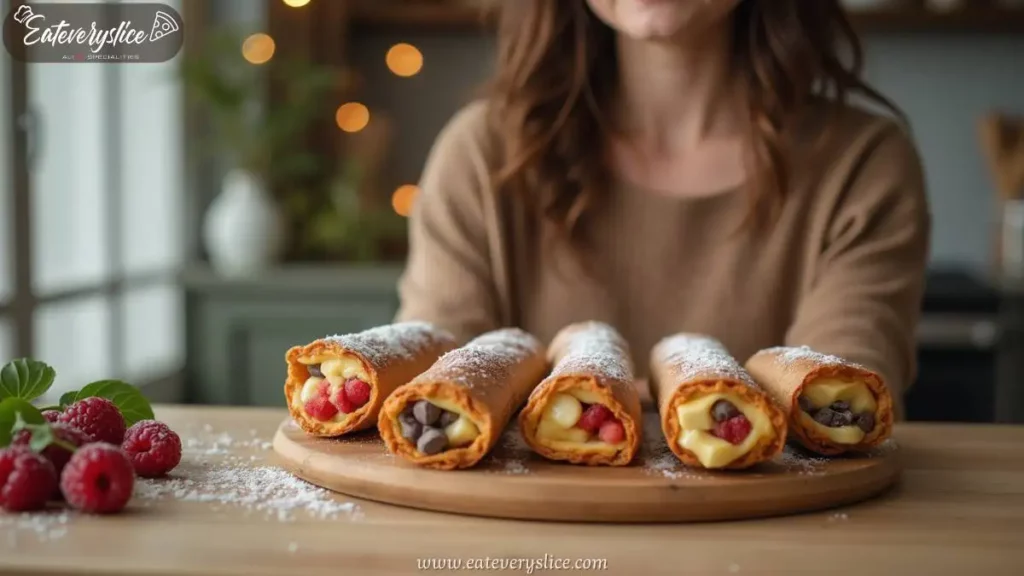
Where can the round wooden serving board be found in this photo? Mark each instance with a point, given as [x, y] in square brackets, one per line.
[512, 482]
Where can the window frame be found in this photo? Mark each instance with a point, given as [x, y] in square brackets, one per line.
[21, 306]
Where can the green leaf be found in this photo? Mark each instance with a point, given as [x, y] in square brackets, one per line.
[132, 404]
[16, 412]
[26, 379]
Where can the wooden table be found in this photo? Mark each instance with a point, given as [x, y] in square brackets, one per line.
[959, 510]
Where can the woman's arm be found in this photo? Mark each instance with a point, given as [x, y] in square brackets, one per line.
[865, 300]
[448, 279]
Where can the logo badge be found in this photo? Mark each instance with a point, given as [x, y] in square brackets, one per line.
[92, 33]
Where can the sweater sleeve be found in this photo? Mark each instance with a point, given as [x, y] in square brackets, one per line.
[447, 280]
[865, 297]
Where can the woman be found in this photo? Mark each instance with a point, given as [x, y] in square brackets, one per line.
[677, 165]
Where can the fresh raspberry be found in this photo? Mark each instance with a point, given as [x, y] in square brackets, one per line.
[357, 392]
[321, 408]
[153, 448]
[734, 430]
[27, 479]
[98, 479]
[342, 402]
[611, 432]
[57, 455]
[323, 388]
[51, 415]
[97, 417]
[593, 417]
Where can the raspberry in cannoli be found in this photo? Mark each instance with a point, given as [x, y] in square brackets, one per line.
[451, 416]
[713, 414]
[834, 405]
[587, 411]
[337, 384]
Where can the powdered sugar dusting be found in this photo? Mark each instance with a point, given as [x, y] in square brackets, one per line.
[688, 356]
[40, 526]
[385, 344]
[657, 459]
[511, 454]
[488, 358]
[796, 460]
[592, 348]
[222, 472]
[792, 354]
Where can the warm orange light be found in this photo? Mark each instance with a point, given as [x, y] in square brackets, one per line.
[404, 60]
[352, 117]
[296, 3]
[403, 199]
[258, 48]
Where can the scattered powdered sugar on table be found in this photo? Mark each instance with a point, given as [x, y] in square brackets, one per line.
[690, 355]
[404, 340]
[796, 460]
[43, 526]
[485, 359]
[593, 347]
[657, 459]
[838, 517]
[511, 453]
[217, 470]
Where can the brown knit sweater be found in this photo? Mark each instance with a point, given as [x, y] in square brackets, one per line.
[841, 270]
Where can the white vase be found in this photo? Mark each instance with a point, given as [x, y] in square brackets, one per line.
[243, 230]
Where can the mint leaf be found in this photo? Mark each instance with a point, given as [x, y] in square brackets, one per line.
[26, 379]
[67, 399]
[16, 413]
[132, 404]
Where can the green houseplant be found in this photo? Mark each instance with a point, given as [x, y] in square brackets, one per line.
[317, 195]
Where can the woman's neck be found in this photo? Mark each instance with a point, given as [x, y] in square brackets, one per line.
[673, 95]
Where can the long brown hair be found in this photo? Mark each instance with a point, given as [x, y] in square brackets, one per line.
[557, 70]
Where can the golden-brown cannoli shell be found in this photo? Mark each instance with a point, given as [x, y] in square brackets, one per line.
[784, 371]
[488, 379]
[594, 357]
[390, 355]
[685, 367]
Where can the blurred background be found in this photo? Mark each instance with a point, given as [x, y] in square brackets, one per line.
[180, 225]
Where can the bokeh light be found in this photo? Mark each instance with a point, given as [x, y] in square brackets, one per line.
[404, 60]
[403, 199]
[258, 48]
[352, 116]
[295, 3]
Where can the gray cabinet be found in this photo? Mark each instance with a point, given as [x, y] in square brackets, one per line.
[238, 330]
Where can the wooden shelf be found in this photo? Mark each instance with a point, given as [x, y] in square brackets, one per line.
[440, 17]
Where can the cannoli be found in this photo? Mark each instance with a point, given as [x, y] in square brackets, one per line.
[453, 414]
[337, 384]
[834, 405]
[587, 411]
[713, 414]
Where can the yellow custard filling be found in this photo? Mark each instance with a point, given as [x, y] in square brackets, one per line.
[822, 393]
[557, 430]
[696, 422]
[336, 371]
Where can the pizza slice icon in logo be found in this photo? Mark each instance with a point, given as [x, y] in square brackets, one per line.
[23, 13]
[163, 24]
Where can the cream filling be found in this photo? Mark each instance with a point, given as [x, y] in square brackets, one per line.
[556, 429]
[824, 392]
[696, 422]
[336, 370]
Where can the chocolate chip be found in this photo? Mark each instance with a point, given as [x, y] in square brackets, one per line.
[840, 405]
[723, 410]
[866, 421]
[411, 429]
[840, 419]
[314, 370]
[432, 441]
[447, 418]
[426, 413]
[824, 416]
[805, 404]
